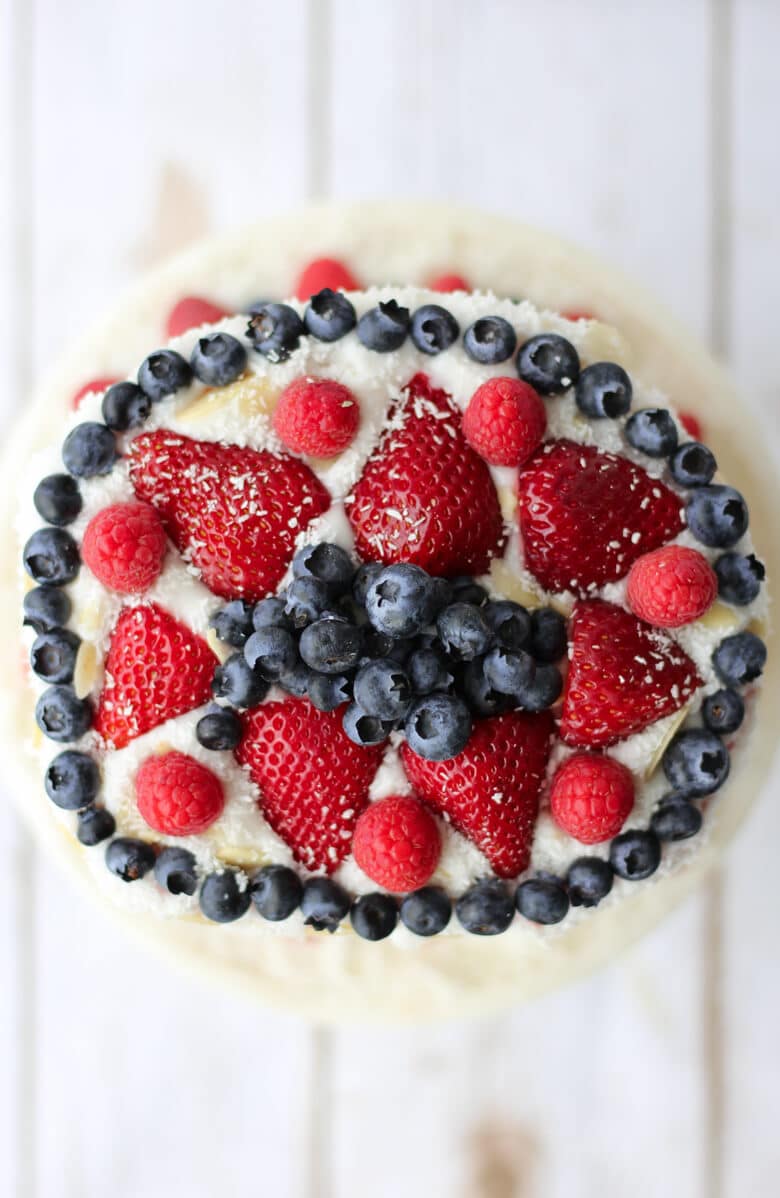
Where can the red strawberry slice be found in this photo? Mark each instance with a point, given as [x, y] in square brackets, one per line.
[156, 669]
[314, 780]
[425, 496]
[586, 516]
[623, 676]
[190, 313]
[234, 513]
[490, 791]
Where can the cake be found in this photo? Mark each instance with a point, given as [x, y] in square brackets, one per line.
[412, 614]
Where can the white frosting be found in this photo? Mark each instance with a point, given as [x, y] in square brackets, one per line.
[241, 835]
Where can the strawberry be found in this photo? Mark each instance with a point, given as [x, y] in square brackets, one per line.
[313, 780]
[623, 676]
[156, 669]
[586, 516]
[191, 312]
[324, 272]
[233, 512]
[490, 791]
[425, 496]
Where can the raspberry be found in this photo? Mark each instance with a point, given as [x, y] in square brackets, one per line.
[325, 272]
[177, 795]
[505, 421]
[448, 283]
[578, 314]
[591, 797]
[397, 843]
[692, 425]
[671, 586]
[190, 313]
[96, 385]
[316, 416]
[124, 547]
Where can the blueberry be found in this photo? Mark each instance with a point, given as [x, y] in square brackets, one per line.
[739, 577]
[324, 904]
[693, 465]
[233, 623]
[329, 564]
[329, 691]
[509, 622]
[542, 900]
[549, 363]
[383, 689]
[296, 680]
[635, 855]
[61, 716]
[603, 391]
[275, 330]
[589, 880]
[464, 631]
[128, 858]
[53, 655]
[125, 406]
[652, 431]
[696, 763]
[270, 652]
[238, 684]
[307, 599]
[176, 871]
[486, 908]
[51, 557]
[438, 727]
[163, 373]
[428, 672]
[717, 516]
[329, 315]
[72, 780]
[218, 359]
[548, 635]
[276, 892]
[508, 672]
[46, 608]
[379, 644]
[331, 646]
[374, 916]
[384, 328]
[364, 576]
[676, 819]
[466, 590]
[542, 690]
[489, 340]
[434, 329]
[740, 659]
[57, 499]
[221, 897]
[94, 825]
[400, 600]
[89, 449]
[426, 912]
[364, 729]
[481, 697]
[269, 613]
[723, 712]
[219, 729]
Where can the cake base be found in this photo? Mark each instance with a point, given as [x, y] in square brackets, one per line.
[343, 977]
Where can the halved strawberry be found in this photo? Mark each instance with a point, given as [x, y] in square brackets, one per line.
[156, 669]
[490, 791]
[233, 512]
[425, 496]
[623, 676]
[314, 780]
[586, 516]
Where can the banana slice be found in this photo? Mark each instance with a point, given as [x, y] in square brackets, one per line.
[507, 497]
[506, 582]
[251, 396]
[85, 673]
[674, 727]
[721, 618]
[218, 647]
[243, 855]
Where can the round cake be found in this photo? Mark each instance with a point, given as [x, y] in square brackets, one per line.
[411, 614]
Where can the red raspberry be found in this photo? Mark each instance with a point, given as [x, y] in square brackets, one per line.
[692, 425]
[99, 385]
[591, 797]
[449, 283]
[578, 314]
[397, 843]
[505, 421]
[124, 547]
[671, 586]
[177, 795]
[316, 416]
[325, 272]
[190, 313]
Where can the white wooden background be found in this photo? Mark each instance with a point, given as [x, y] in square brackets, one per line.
[646, 131]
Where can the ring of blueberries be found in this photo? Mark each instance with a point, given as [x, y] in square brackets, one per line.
[400, 648]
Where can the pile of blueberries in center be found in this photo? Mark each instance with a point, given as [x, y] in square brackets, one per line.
[401, 648]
